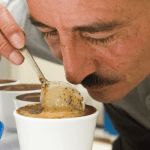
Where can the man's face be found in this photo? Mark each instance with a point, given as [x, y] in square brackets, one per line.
[104, 44]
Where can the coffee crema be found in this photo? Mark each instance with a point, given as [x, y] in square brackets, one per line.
[31, 97]
[37, 111]
[6, 81]
[21, 87]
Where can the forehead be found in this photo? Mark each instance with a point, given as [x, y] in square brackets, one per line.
[76, 12]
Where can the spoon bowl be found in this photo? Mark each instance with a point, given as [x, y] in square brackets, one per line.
[60, 87]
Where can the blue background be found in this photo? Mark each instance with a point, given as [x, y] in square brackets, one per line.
[108, 126]
[1, 129]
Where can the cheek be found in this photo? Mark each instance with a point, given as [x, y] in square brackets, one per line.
[127, 56]
[129, 50]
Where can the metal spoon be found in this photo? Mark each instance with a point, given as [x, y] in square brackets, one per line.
[32, 62]
[41, 77]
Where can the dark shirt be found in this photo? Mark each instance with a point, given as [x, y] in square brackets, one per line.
[133, 135]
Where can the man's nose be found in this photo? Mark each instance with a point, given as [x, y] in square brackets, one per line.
[78, 60]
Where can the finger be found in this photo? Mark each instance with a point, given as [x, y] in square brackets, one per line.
[9, 52]
[12, 37]
[13, 33]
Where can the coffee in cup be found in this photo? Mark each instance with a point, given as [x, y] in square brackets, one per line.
[60, 122]
[26, 99]
[30, 97]
[21, 87]
[37, 130]
[5, 82]
[38, 111]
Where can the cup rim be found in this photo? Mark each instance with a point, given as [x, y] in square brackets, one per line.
[27, 91]
[56, 119]
[11, 83]
[15, 97]
[19, 91]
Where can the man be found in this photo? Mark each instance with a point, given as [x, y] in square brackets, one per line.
[105, 46]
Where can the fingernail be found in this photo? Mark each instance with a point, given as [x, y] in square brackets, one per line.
[18, 41]
[16, 57]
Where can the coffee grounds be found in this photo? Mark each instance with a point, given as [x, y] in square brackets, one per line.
[37, 111]
[6, 81]
[32, 97]
[32, 109]
[21, 87]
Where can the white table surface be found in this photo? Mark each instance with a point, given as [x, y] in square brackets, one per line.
[9, 141]
[101, 146]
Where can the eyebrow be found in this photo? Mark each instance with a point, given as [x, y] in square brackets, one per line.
[38, 23]
[100, 27]
[92, 28]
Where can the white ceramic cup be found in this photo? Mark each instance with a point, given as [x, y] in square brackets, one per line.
[19, 102]
[56, 134]
[7, 107]
[5, 84]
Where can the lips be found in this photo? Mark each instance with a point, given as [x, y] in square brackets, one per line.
[95, 88]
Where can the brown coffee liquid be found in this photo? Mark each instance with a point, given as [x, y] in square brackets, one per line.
[32, 97]
[37, 111]
[21, 87]
[6, 81]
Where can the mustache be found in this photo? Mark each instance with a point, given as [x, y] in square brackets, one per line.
[94, 80]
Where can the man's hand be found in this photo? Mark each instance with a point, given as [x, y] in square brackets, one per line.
[12, 37]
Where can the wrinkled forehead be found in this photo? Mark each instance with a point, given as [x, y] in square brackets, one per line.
[81, 11]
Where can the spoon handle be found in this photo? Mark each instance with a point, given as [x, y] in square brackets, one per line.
[32, 62]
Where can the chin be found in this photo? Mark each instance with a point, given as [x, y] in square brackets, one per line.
[110, 94]
[104, 99]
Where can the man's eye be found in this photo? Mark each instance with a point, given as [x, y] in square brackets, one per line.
[101, 40]
[50, 33]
